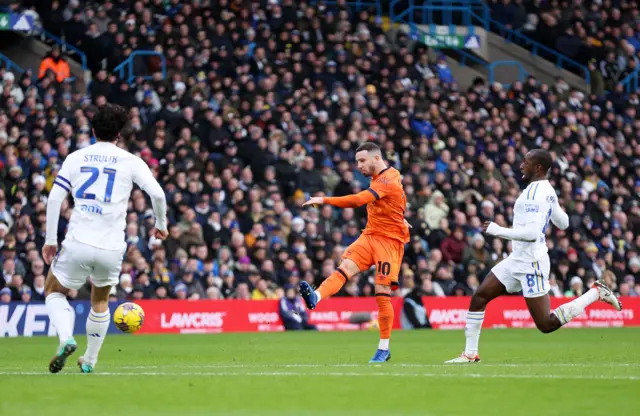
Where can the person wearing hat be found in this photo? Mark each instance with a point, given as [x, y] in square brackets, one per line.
[576, 287]
[5, 295]
[25, 294]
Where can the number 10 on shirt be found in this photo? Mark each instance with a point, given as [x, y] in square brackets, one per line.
[81, 193]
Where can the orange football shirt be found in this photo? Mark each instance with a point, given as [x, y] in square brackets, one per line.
[386, 213]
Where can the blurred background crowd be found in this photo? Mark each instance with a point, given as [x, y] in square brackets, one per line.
[263, 106]
[603, 34]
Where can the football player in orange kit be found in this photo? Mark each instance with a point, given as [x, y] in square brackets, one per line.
[380, 244]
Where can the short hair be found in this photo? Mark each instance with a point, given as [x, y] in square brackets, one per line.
[368, 147]
[109, 122]
[542, 157]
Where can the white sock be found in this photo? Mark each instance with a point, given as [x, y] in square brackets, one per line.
[383, 344]
[566, 312]
[472, 332]
[59, 310]
[97, 327]
[318, 296]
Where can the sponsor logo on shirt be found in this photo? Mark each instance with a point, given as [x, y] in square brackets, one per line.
[531, 208]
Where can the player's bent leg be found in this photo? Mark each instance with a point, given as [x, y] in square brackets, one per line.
[490, 289]
[331, 284]
[539, 308]
[61, 317]
[97, 327]
[599, 291]
[385, 323]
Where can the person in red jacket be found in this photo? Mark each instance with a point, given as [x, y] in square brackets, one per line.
[453, 246]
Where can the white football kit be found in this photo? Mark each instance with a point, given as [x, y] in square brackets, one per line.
[100, 178]
[527, 267]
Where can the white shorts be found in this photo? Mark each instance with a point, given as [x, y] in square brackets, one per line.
[76, 262]
[532, 277]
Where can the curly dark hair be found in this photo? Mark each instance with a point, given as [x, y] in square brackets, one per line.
[109, 122]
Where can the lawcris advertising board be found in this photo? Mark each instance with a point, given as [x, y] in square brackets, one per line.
[173, 316]
[210, 316]
[335, 314]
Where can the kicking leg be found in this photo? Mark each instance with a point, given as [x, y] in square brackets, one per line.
[97, 327]
[61, 317]
[490, 289]
[566, 312]
[331, 284]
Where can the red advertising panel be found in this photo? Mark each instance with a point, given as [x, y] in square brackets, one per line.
[334, 314]
[210, 316]
[337, 314]
[512, 312]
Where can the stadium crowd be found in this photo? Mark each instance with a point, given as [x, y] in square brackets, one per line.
[603, 35]
[263, 106]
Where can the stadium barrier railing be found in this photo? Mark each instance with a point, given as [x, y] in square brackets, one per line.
[464, 58]
[356, 5]
[522, 73]
[10, 65]
[446, 12]
[334, 314]
[64, 47]
[473, 13]
[630, 82]
[125, 70]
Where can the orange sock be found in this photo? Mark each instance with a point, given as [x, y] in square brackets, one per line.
[333, 284]
[385, 316]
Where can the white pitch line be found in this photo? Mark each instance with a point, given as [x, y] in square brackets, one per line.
[332, 374]
[408, 365]
[391, 365]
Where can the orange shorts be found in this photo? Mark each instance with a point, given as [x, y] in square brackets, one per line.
[375, 250]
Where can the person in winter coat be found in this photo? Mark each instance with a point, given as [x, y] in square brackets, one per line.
[293, 312]
[414, 312]
[477, 251]
[435, 210]
[55, 63]
[453, 246]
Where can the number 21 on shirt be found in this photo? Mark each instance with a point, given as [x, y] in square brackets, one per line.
[82, 193]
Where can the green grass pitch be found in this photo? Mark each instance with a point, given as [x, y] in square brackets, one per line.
[572, 372]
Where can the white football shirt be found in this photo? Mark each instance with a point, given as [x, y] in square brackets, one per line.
[100, 178]
[533, 210]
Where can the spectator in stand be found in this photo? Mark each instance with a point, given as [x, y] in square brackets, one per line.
[5, 295]
[56, 64]
[453, 246]
[293, 312]
[603, 31]
[414, 314]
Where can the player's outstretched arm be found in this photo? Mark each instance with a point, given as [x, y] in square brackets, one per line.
[145, 180]
[159, 203]
[559, 218]
[349, 201]
[58, 194]
[528, 234]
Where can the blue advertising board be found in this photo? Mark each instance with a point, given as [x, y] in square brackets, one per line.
[19, 319]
